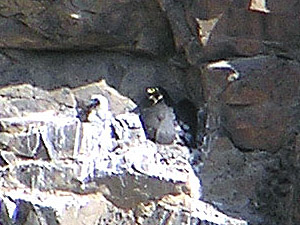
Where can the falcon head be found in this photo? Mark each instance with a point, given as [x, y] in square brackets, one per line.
[99, 109]
[154, 95]
[99, 102]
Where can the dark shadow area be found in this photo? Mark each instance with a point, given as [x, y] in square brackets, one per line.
[128, 73]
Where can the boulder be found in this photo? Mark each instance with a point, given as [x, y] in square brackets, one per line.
[250, 162]
[254, 101]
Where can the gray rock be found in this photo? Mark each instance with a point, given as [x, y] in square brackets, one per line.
[248, 118]
[94, 174]
[247, 101]
[247, 165]
[4, 219]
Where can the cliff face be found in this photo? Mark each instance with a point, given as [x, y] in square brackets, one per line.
[231, 69]
[61, 168]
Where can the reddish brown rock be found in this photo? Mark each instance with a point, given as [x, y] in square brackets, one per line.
[118, 25]
[255, 27]
[257, 108]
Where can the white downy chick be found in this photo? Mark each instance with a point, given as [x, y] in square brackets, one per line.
[101, 118]
[99, 109]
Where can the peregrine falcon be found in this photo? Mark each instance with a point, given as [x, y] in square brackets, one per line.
[88, 110]
[158, 117]
[99, 109]
[158, 112]
[101, 121]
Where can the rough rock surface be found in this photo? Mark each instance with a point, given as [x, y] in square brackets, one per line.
[231, 68]
[253, 122]
[123, 25]
[59, 170]
[256, 110]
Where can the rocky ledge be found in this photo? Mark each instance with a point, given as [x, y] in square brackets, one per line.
[57, 168]
[232, 71]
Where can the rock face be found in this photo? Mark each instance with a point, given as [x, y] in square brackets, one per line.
[232, 71]
[55, 166]
[252, 114]
[256, 110]
[122, 25]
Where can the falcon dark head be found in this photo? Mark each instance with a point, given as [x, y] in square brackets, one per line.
[157, 95]
[154, 95]
[84, 108]
[159, 112]
[94, 102]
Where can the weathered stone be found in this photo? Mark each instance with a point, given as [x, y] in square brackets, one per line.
[256, 184]
[256, 108]
[60, 137]
[296, 207]
[115, 25]
[261, 30]
[123, 173]
[248, 161]
[22, 99]
[24, 132]
[28, 214]
[93, 208]
[183, 36]
[22, 144]
[298, 150]
[248, 117]
[64, 97]
[259, 5]
[4, 217]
